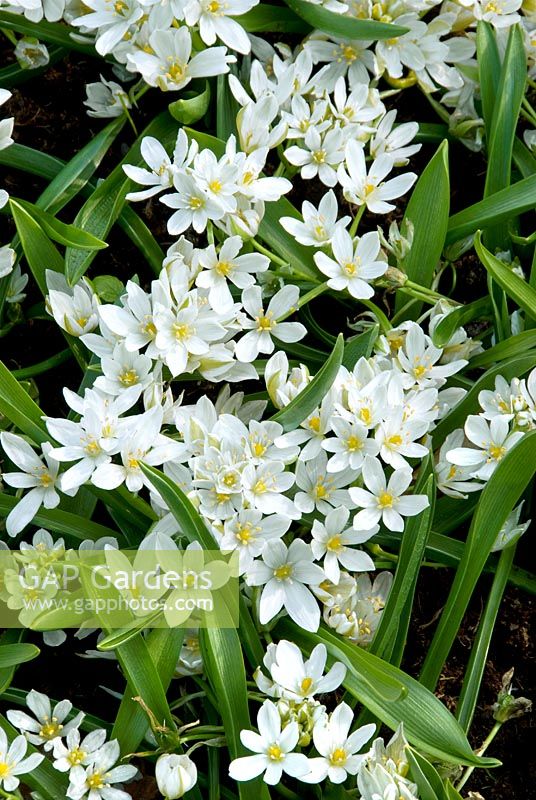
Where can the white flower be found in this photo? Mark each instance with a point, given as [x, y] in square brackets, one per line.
[39, 475]
[500, 13]
[296, 679]
[321, 489]
[331, 540]
[512, 530]
[337, 747]
[6, 125]
[215, 20]
[385, 501]
[184, 333]
[106, 99]
[31, 53]
[350, 445]
[76, 751]
[162, 167]
[112, 20]
[318, 155]
[175, 775]
[75, 309]
[123, 370]
[17, 281]
[285, 574]
[264, 324]
[13, 763]
[354, 266]
[7, 260]
[169, 66]
[194, 206]
[376, 783]
[393, 142]
[272, 747]
[319, 225]
[263, 486]
[396, 438]
[48, 724]
[248, 531]
[369, 187]
[454, 480]
[227, 265]
[492, 441]
[134, 320]
[95, 780]
[418, 357]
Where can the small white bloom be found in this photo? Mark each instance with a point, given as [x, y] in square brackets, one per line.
[337, 747]
[492, 441]
[106, 99]
[355, 263]
[48, 723]
[264, 324]
[75, 751]
[368, 187]
[319, 225]
[175, 775]
[13, 763]
[273, 750]
[285, 573]
[95, 780]
[331, 541]
[385, 501]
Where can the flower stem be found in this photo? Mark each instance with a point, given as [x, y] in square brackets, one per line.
[383, 322]
[357, 220]
[480, 752]
[272, 256]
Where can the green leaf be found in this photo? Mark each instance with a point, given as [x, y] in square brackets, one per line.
[272, 19]
[497, 500]
[19, 408]
[478, 310]
[489, 70]
[190, 522]
[13, 654]
[480, 647]
[359, 347]
[103, 207]
[515, 345]
[428, 210]
[515, 287]
[68, 235]
[310, 398]
[141, 673]
[393, 697]
[108, 287]
[226, 106]
[191, 109]
[411, 554]
[341, 26]
[503, 126]
[75, 174]
[507, 203]
[131, 722]
[38, 249]
[426, 777]
[65, 523]
[53, 32]
[224, 667]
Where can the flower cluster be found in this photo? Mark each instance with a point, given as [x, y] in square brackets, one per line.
[90, 761]
[298, 720]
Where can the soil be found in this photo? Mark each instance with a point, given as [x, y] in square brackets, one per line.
[50, 117]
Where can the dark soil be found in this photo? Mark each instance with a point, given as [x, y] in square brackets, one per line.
[50, 117]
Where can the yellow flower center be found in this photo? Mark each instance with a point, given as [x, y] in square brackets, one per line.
[129, 377]
[275, 753]
[395, 440]
[319, 156]
[264, 323]
[353, 443]
[214, 6]
[45, 480]
[496, 452]
[180, 331]
[452, 473]
[5, 769]
[338, 757]
[419, 371]
[349, 267]
[260, 487]
[314, 424]
[243, 533]
[230, 480]
[334, 544]
[215, 186]
[95, 781]
[348, 53]
[50, 729]
[76, 756]
[176, 72]
[259, 449]
[283, 573]
[305, 685]
[224, 268]
[365, 415]
[196, 203]
[385, 500]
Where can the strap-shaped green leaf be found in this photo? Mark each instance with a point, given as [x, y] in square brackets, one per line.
[428, 210]
[13, 654]
[515, 287]
[341, 26]
[310, 398]
[498, 498]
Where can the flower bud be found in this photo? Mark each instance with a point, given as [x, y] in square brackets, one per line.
[175, 775]
[31, 53]
[507, 706]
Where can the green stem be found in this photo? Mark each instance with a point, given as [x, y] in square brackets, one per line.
[306, 298]
[281, 170]
[272, 256]
[42, 366]
[383, 321]
[357, 220]
[9, 35]
[128, 115]
[480, 752]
